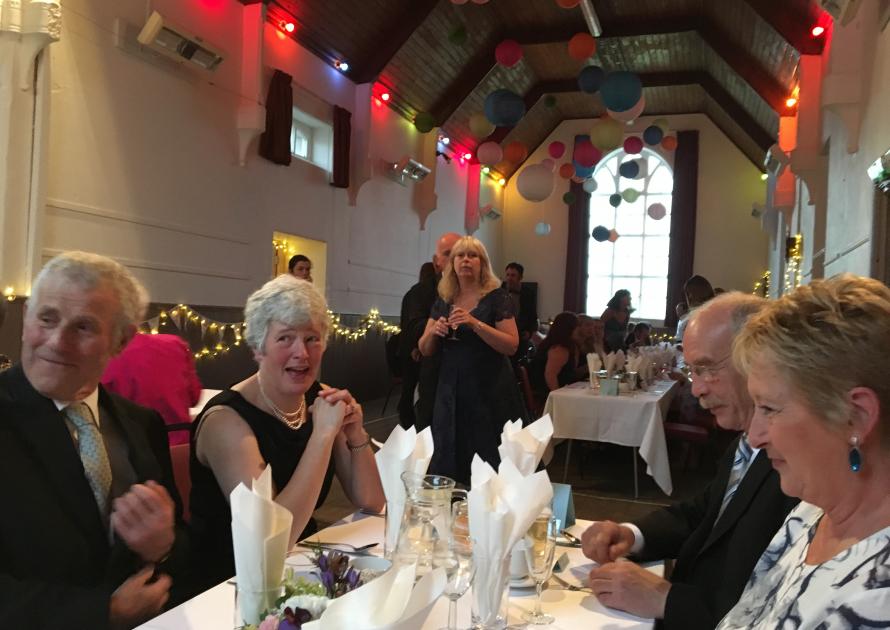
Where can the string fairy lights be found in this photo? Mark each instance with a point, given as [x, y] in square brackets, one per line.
[793, 259]
[761, 287]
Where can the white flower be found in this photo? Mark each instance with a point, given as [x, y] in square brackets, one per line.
[315, 604]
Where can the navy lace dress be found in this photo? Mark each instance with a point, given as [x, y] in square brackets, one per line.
[477, 392]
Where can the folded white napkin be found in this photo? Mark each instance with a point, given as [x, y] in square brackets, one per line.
[391, 602]
[502, 506]
[260, 534]
[594, 363]
[609, 363]
[620, 360]
[404, 450]
[525, 447]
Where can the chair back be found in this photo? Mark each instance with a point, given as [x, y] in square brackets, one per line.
[179, 456]
[534, 407]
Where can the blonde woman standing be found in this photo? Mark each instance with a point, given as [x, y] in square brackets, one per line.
[473, 325]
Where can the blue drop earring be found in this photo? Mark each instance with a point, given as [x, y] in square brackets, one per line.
[855, 455]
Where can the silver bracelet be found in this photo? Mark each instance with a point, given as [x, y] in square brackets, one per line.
[359, 447]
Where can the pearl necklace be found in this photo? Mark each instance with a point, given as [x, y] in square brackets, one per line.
[293, 420]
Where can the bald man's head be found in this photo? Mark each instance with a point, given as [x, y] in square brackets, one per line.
[443, 250]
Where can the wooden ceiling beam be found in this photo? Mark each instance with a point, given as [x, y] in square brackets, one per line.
[390, 42]
[793, 23]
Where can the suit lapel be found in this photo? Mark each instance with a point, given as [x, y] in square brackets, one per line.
[746, 493]
[137, 444]
[44, 433]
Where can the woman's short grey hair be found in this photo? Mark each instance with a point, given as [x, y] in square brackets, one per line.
[88, 271]
[288, 300]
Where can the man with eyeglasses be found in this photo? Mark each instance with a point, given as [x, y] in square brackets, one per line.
[718, 536]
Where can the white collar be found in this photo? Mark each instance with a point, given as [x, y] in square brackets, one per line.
[91, 401]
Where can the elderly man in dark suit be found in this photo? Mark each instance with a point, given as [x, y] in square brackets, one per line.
[718, 536]
[91, 526]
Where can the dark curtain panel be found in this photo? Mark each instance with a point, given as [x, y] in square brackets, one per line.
[683, 210]
[342, 131]
[275, 141]
[575, 295]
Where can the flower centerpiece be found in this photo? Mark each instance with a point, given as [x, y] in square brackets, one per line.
[304, 600]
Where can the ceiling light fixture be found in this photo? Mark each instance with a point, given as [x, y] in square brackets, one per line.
[790, 101]
[817, 31]
[502, 181]
[287, 26]
[342, 66]
[468, 156]
[385, 97]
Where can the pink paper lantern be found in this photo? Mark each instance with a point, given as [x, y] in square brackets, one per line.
[586, 154]
[633, 145]
[556, 149]
[508, 53]
[489, 153]
[549, 164]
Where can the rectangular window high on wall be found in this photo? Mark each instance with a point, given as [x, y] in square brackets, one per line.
[631, 192]
[311, 139]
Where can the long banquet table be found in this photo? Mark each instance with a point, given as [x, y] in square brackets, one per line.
[635, 420]
[214, 609]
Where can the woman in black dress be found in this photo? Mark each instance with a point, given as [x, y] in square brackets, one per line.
[473, 325]
[555, 361]
[281, 416]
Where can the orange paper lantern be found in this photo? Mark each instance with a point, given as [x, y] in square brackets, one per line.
[669, 143]
[566, 171]
[515, 152]
[582, 46]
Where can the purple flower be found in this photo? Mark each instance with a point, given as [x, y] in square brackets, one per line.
[353, 578]
[328, 581]
[294, 618]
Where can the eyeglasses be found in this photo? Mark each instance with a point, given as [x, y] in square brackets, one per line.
[707, 373]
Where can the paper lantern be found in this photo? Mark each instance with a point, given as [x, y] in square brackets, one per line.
[479, 126]
[629, 169]
[568, 198]
[556, 149]
[621, 90]
[583, 172]
[504, 108]
[542, 229]
[549, 101]
[606, 134]
[613, 236]
[669, 143]
[630, 115]
[657, 211]
[633, 145]
[591, 78]
[568, 4]
[515, 152]
[653, 135]
[535, 182]
[586, 154]
[458, 35]
[549, 164]
[459, 1]
[662, 123]
[582, 46]
[630, 195]
[424, 122]
[577, 178]
[566, 171]
[589, 186]
[600, 233]
[489, 153]
[615, 200]
[508, 53]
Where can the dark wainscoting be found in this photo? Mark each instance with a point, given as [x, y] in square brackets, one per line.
[359, 366]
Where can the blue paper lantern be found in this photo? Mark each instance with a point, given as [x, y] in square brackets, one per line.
[621, 90]
[615, 200]
[542, 229]
[600, 233]
[504, 108]
[629, 169]
[590, 79]
[653, 135]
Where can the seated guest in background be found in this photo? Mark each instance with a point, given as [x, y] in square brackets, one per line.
[615, 319]
[477, 391]
[717, 536]
[698, 291]
[91, 507]
[300, 267]
[817, 367]
[589, 338]
[556, 358]
[527, 310]
[282, 417]
[682, 311]
[158, 372]
[640, 336]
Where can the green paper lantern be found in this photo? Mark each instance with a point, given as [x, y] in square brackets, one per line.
[458, 35]
[630, 195]
[568, 198]
[615, 200]
[424, 122]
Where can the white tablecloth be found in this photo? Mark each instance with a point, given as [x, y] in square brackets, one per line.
[637, 420]
[214, 609]
[206, 395]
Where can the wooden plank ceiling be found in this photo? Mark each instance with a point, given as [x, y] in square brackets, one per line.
[733, 60]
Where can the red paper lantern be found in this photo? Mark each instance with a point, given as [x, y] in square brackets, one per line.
[508, 53]
[556, 149]
[582, 46]
[515, 152]
[586, 154]
[633, 145]
[566, 171]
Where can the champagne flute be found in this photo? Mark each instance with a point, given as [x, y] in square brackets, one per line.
[456, 557]
[452, 333]
[540, 544]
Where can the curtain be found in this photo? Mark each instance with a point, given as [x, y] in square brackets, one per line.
[575, 294]
[275, 141]
[683, 212]
[342, 133]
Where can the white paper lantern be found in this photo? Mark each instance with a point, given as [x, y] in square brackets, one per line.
[535, 182]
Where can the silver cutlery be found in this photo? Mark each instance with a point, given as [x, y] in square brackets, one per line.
[573, 540]
[569, 586]
[346, 548]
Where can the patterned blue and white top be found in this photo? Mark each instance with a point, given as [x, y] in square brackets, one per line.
[851, 590]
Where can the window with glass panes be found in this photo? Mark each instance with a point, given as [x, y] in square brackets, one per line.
[638, 259]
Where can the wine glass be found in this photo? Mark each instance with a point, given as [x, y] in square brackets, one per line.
[540, 544]
[456, 557]
[452, 332]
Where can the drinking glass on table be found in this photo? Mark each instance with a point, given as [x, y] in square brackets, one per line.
[540, 544]
[456, 557]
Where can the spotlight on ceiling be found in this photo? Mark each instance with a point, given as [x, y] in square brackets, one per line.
[342, 66]
[817, 31]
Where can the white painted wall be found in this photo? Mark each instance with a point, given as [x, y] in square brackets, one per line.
[730, 248]
[143, 167]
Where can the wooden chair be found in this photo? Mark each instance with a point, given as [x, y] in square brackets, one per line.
[534, 407]
[179, 457]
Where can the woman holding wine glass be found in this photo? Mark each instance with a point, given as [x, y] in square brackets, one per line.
[476, 392]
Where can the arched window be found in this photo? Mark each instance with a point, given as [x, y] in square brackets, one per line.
[638, 260]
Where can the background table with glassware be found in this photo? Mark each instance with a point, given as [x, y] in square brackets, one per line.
[633, 419]
[214, 609]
